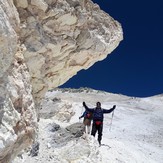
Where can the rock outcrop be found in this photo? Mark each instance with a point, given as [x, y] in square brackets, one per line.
[43, 43]
[62, 37]
[17, 109]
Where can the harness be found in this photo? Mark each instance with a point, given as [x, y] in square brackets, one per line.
[98, 123]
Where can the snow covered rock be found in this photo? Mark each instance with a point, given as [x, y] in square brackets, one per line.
[61, 136]
[76, 129]
[134, 136]
[35, 149]
[63, 145]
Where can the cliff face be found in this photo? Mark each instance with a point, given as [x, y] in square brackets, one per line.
[17, 111]
[43, 43]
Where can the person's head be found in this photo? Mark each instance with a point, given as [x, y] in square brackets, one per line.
[98, 105]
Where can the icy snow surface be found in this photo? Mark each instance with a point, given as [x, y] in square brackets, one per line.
[135, 136]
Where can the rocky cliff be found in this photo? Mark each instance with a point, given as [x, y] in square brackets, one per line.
[43, 43]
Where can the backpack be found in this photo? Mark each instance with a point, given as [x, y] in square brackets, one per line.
[89, 115]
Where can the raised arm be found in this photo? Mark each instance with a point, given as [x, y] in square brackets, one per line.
[83, 115]
[110, 110]
[88, 109]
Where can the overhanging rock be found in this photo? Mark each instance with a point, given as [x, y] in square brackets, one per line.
[62, 37]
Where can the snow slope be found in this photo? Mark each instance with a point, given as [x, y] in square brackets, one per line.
[135, 136]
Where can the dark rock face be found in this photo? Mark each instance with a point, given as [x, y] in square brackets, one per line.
[76, 129]
[35, 149]
[60, 136]
[53, 127]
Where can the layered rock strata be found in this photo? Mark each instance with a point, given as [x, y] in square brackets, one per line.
[63, 37]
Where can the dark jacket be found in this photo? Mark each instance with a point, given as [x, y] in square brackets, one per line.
[98, 113]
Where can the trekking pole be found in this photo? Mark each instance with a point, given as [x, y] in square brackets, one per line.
[81, 112]
[111, 120]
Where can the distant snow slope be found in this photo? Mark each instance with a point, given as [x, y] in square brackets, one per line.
[136, 134]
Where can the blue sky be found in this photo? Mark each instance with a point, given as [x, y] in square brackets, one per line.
[135, 68]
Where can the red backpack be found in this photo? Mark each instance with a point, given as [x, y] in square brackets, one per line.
[89, 115]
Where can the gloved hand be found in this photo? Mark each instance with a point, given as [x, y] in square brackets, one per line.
[84, 104]
[114, 106]
[79, 117]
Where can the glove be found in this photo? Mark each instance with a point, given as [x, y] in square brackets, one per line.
[114, 106]
[84, 104]
[79, 117]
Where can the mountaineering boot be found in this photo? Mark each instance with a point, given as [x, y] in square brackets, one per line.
[99, 142]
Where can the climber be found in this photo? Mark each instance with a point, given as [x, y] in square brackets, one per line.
[87, 120]
[98, 119]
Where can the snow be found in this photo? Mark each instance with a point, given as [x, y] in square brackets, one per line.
[135, 135]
